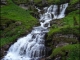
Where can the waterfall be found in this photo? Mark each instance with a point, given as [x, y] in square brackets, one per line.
[32, 46]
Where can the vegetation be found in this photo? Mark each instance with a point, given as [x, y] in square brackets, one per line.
[71, 49]
[70, 25]
[38, 2]
[72, 2]
[15, 22]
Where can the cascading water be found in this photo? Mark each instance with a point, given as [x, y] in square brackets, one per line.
[32, 46]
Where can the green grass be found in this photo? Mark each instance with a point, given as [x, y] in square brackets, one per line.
[71, 49]
[37, 1]
[12, 11]
[64, 1]
[74, 2]
[70, 25]
[72, 18]
[11, 14]
[20, 1]
[50, 1]
[74, 53]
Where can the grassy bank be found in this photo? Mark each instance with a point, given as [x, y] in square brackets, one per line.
[71, 49]
[38, 2]
[15, 22]
[67, 25]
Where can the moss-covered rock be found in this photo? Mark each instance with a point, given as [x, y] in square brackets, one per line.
[65, 51]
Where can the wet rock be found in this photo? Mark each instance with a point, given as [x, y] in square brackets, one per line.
[42, 11]
[48, 51]
[42, 21]
[46, 35]
[34, 36]
[46, 25]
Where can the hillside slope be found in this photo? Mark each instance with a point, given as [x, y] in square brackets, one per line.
[15, 22]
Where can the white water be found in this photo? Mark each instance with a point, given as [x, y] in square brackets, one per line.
[32, 46]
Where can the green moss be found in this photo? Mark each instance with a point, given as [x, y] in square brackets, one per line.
[57, 51]
[20, 1]
[57, 1]
[62, 50]
[74, 2]
[50, 1]
[70, 25]
[11, 14]
[74, 54]
[37, 1]
[72, 18]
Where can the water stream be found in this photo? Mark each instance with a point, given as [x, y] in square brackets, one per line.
[32, 46]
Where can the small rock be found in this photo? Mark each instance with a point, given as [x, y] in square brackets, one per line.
[46, 25]
[42, 21]
[18, 23]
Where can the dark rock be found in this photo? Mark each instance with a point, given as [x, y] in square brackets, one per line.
[2, 27]
[46, 25]
[60, 44]
[42, 11]
[42, 21]
[48, 51]
[42, 59]
[78, 6]
[35, 14]
[46, 35]
[6, 47]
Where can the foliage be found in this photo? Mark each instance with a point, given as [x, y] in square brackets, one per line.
[15, 22]
[74, 2]
[37, 1]
[74, 54]
[70, 25]
[71, 49]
